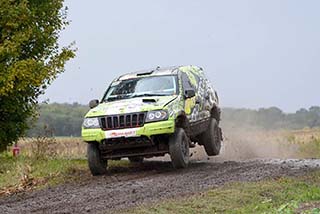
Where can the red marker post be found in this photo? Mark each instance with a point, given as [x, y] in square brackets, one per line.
[15, 150]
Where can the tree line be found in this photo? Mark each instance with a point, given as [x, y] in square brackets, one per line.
[58, 120]
[272, 118]
[66, 119]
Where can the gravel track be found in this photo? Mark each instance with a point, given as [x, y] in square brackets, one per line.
[149, 182]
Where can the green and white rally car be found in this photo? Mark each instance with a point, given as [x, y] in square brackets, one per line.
[153, 113]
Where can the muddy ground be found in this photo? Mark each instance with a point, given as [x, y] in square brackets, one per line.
[125, 188]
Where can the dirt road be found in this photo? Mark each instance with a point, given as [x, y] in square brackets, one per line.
[152, 181]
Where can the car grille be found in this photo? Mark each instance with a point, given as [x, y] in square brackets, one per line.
[123, 121]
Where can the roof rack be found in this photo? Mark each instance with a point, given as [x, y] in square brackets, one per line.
[148, 72]
[145, 73]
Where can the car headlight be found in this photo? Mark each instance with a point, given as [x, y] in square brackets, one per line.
[91, 123]
[154, 116]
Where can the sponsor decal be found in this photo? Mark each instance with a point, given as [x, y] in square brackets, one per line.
[121, 133]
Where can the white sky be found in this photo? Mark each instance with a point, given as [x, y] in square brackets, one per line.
[257, 53]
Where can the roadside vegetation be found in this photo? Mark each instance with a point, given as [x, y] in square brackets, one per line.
[28, 173]
[282, 195]
[41, 164]
[44, 162]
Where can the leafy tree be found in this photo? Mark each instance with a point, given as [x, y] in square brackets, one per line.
[30, 59]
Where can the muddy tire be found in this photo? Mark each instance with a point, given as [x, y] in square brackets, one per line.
[179, 149]
[97, 165]
[135, 159]
[211, 139]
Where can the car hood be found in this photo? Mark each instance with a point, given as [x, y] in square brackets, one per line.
[133, 105]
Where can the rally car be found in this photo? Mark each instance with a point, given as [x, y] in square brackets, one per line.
[152, 113]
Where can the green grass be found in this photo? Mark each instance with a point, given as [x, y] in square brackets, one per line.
[283, 195]
[47, 171]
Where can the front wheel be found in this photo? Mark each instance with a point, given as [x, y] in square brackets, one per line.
[179, 149]
[97, 165]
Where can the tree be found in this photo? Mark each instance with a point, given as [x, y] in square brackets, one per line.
[30, 59]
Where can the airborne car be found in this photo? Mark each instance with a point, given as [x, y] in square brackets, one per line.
[153, 113]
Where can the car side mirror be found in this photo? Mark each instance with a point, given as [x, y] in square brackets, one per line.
[189, 93]
[93, 103]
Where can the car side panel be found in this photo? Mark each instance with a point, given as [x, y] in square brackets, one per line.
[197, 108]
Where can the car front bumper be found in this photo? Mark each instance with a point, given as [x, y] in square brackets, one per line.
[148, 130]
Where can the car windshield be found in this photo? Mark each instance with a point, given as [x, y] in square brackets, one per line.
[141, 87]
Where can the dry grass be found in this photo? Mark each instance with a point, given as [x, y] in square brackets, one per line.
[62, 147]
[308, 141]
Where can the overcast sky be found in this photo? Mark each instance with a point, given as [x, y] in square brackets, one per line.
[256, 53]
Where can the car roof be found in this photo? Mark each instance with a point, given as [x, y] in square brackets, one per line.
[158, 71]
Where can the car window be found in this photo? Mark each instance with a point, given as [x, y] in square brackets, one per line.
[144, 86]
[186, 83]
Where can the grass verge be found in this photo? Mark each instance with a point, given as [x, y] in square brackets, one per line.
[283, 195]
[25, 173]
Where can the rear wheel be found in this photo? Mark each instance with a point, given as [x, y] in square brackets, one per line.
[211, 139]
[136, 159]
[97, 165]
[179, 149]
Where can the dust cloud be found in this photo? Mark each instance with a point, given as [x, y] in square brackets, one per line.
[245, 144]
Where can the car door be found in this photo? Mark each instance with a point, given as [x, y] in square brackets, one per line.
[199, 107]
